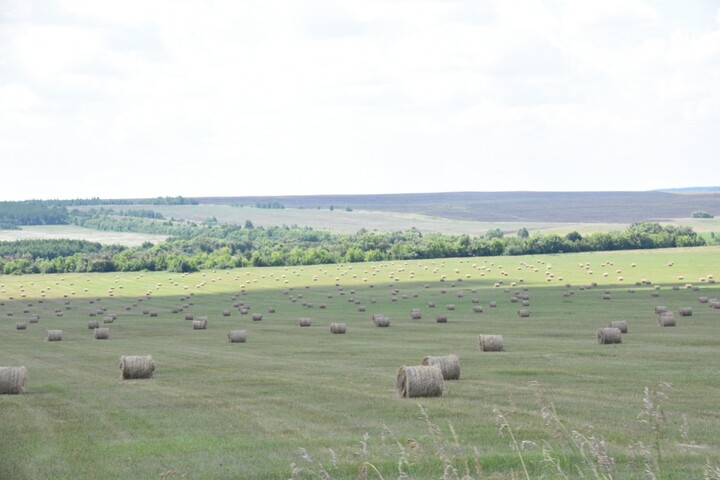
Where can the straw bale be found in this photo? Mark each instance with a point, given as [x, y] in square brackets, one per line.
[237, 336]
[200, 324]
[667, 319]
[101, 333]
[685, 312]
[12, 380]
[491, 343]
[136, 366]
[621, 325]
[338, 328]
[441, 318]
[304, 322]
[419, 381]
[607, 335]
[257, 317]
[53, 335]
[449, 365]
[523, 313]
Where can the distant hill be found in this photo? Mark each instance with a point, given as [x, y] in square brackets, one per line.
[623, 207]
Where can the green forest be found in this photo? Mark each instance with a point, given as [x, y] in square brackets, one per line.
[211, 245]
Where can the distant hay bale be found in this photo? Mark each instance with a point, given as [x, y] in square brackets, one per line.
[667, 319]
[361, 308]
[606, 296]
[245, 310]
[20, 326]
[631, 290]
[304, 322]
[271, 310]
[475, 300]
[237, 336]
[338, 328]
[478, 309]
[226, 313]
[381, 320]
[493, 304]
[621, 325]
[136, 366]
[654, 293]
[714, 303]
[419, 381]
[153, 314]
[441, 318]
[101, 333]
[53, 335]
[12, 380]
[514, 299]
[188, 316]
[257, 317]
[660, 309]
[200, 324]
[108, 320]
[685, 312]
[491, 343]
[450, 306]
[608, 335]
[703, 299]
[93, 324]
[431, 304]
[415, 314]
[526, 303]
[449, 365]
[523, 313]
[34, 319]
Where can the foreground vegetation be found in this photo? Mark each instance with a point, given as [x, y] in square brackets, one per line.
[299, 402]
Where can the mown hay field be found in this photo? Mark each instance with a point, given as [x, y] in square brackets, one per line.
[299, 401]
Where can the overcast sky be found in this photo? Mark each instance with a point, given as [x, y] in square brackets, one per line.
[219, 98]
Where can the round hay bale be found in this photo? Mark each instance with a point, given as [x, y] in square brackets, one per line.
[108, 320]
[449, 365]
[491, 343]
[685, 312]
[226, 313]
[431, 304]
[441, 318]
[271, 310]
[655, 293]
[493, 304]
[608, 335]
[703, 299]
[304, 322]
[523, 313]
[200, 324]
[714, 303]
[514, 299]
[136, 366]
[475, 300]
[338, 328]
[21, 326]
[415, 314]
[621, 325]
[660, 309]
[257, 317]
[101, 333]
[93, 324]
[12, 380]
[237, 336]
[153, 314]
[34, 318]
[381, 320]
[419, 381]
[53, 335]
[450, 306]
[188, 316]
[477, 309]
[361, 308]
[606, 296]
[667, 319]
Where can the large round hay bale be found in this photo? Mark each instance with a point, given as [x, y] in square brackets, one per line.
[441, 318]
[609, 335]
[101, 333]
[491, 343]
[34, 318]
[380, 320]
[660, 309]
[478, 309]
[703, 299]
[271, 310]
[12, 380]
[361, 308]
[685, 312]
[304, 322]
[449, 365]
[226, 313]
[415, 314]
[53, 335]
[93, 324]
[622, 325]
[136, 366]
[450, 306]
[523, 313]
[200, 324]
[21, 326]
[667, 319]
[188, 316]
[257, 317]
[108, 320]
[493, 304]
[419, 381]
[526, 303]
[431, 304]
[338, 328]
[237, 336]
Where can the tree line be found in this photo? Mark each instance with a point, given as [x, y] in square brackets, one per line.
[213, 245]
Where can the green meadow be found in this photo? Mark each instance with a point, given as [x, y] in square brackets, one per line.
[297, 402]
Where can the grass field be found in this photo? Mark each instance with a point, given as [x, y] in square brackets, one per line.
[226, 411]
[73, 232]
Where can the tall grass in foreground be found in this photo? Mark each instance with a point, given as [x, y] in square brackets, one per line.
[568, 452]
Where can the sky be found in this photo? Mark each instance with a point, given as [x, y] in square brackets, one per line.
[146, 98]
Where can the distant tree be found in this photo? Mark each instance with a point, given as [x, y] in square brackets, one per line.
[702, 214]
[573, 236]
[523, 233]
[494, 233]
[249, 224]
